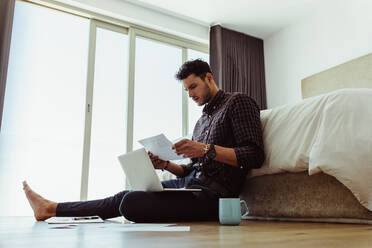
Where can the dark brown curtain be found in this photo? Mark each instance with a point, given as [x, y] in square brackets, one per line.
[6, 22]
[237, 63]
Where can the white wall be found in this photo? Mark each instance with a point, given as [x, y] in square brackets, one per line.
[337, 32]
[145, 17]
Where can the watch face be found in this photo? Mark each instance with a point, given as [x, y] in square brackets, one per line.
[211, 153]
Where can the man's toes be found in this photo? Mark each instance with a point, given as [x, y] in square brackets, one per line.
[25, 185]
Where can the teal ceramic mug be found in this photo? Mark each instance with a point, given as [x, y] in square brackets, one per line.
[229, 211]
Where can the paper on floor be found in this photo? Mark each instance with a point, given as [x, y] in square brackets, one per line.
[74, 220]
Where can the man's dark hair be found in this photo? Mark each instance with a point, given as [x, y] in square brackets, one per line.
[197, 67]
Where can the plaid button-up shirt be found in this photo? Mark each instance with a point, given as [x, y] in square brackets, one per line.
[229, 120]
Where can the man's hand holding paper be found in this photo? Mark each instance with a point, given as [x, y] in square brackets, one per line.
[157, 162]
[189, 148]
[160, 146]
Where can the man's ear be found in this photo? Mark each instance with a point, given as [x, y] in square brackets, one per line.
[209, 76]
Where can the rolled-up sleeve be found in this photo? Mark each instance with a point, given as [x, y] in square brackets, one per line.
[247, 131]
[249, 157]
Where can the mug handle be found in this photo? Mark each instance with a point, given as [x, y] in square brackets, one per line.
[245, 208]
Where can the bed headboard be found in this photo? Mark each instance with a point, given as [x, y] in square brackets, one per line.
[356, 73]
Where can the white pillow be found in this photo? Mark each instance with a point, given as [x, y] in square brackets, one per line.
[289, 132]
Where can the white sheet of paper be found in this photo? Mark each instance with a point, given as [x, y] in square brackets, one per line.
[74, 220]
[160, 146]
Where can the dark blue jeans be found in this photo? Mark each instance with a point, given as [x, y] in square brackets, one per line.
[141, 206]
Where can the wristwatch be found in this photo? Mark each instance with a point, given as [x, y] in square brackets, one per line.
[166, 166]
[211, 152]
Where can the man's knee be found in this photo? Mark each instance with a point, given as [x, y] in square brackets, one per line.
[130, 205]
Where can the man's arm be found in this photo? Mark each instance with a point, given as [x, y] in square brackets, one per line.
[226, 155]
[246, 126]
[253, 155]
[193, 149]
[175, 169]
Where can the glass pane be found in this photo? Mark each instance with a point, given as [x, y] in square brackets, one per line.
[108, 139]
[195, 111]
[158, 95]
[41, 140]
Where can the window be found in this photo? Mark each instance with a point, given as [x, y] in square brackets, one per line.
[43, 123]
[158, 95]
[109, 106]
[49, 134]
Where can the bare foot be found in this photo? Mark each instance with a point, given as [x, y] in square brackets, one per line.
[43, 208]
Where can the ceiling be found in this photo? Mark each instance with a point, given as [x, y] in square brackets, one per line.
[260, 18]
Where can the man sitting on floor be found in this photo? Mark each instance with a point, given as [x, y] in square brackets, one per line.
[227, 142]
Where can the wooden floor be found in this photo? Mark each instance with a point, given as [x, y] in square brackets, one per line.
[26, 232]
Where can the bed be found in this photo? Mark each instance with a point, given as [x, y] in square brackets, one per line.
[294, 195]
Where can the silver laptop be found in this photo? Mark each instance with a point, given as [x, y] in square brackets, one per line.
[141, 173]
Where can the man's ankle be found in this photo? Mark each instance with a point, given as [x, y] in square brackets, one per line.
[52, 208]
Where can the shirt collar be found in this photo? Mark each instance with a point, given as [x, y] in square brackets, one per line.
[217, 99]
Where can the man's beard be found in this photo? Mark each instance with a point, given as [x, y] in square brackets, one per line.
[207, 96]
